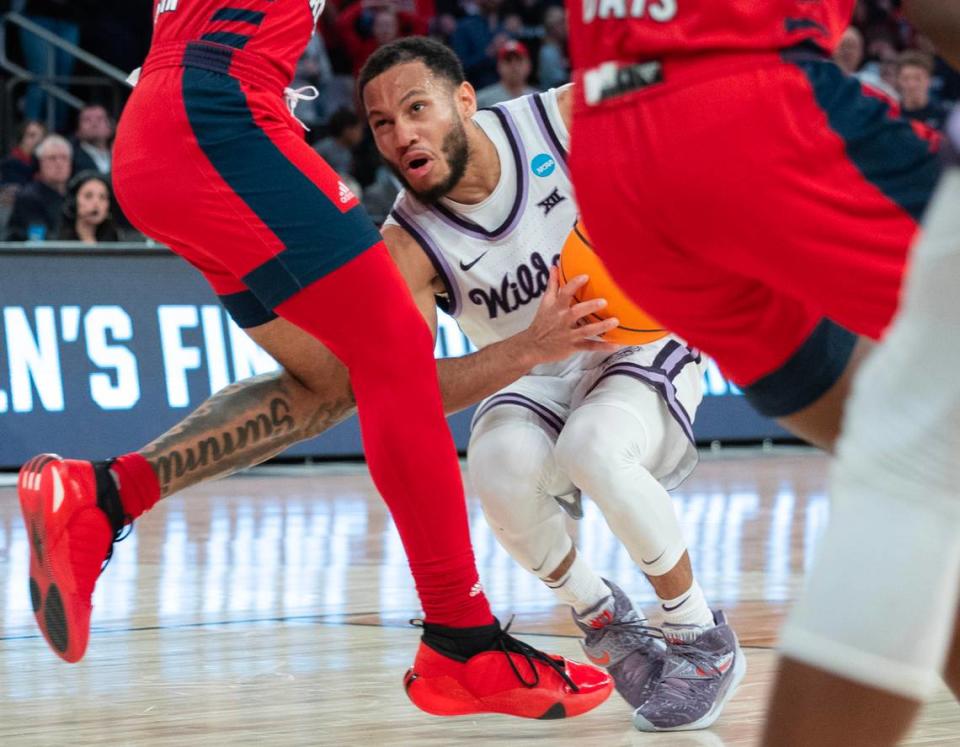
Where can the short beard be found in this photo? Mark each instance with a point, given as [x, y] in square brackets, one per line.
[457, 154]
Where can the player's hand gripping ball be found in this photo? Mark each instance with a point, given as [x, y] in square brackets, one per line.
[578, 258]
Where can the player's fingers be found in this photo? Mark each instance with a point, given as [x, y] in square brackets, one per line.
[585, 308]
[568, 291]
[597, 328]
[553, 282]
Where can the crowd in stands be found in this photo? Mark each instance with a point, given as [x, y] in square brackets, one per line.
[53, 186]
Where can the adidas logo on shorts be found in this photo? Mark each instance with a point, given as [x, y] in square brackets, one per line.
[345, 194]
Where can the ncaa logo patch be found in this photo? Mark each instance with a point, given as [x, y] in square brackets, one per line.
[543, 165]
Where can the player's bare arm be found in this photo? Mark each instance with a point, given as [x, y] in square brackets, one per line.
[555, 333]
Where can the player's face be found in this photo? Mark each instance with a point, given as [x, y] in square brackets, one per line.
[418, 120]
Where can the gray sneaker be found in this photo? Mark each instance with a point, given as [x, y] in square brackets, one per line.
[630, 649]
[701, 672]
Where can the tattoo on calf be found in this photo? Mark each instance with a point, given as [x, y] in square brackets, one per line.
[239, 427]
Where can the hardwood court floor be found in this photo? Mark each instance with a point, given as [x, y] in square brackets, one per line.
[271, 608]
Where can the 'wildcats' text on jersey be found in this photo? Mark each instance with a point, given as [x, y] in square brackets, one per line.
[494, 258]
[278, 31]
[640, 30]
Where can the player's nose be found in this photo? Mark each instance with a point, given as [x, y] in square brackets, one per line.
[406, 134]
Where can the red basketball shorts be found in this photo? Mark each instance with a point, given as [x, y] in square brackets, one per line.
[761, 207]
[217, 169]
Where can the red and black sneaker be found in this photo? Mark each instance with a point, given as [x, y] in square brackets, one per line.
[510, 677]
[70, 537]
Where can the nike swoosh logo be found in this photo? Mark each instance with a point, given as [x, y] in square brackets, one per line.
[57, 490]
[467, 267]
[651, 562]
[600, 661]
[675, 607]
[720, 669]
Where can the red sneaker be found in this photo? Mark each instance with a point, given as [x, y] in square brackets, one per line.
[70, 538]
[514, 678]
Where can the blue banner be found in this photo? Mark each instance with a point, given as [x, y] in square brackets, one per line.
[101, 351]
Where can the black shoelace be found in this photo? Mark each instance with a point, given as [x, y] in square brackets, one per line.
[510, 645]
[507, 644]
[637, 626]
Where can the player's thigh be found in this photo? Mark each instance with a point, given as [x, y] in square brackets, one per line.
[513, 436]
[824, 211]
[237, 184]
[654, 406]
[749, 328]
[754, 329]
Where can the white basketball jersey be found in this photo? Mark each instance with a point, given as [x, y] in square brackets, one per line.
[494, 257]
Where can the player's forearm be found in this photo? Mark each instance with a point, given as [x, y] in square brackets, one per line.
[243, 425]
[940, 20]
[466, 380]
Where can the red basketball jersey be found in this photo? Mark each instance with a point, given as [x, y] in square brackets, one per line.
[278, 30]
[636, 30]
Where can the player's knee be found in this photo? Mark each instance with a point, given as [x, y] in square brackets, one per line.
[596, 444]
[508, 464]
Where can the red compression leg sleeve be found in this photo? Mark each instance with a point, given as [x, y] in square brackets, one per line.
[365, 314]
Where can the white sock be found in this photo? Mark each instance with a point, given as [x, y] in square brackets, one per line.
[690, 608]
[582, 589]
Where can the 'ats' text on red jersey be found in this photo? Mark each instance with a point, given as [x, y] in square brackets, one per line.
[277, 30]
[638, 30]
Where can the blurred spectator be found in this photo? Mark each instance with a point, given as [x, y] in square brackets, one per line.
[477, 39]
[553, 65]
[62, 18]
[369, 24]
[849, 52]
[513, 65]
[379, 197]
[880, 72]
[18, 167]
[945, 84]
[346, 133]
[91, 146]
[913, 83]
[38, 208]
[87, 214]
[314, 69]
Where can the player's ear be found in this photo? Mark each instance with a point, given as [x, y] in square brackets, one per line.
[466, 100]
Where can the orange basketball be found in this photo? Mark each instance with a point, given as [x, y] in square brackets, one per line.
[578, 258]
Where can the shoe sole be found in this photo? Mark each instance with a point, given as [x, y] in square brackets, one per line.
[707, 720]
[45, 595]
[444, 696]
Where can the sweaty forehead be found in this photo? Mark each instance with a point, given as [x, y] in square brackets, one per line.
[391, 88]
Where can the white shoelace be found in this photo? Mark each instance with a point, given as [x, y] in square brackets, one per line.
[295, 95]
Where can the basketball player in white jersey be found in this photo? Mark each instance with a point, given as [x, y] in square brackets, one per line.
[488, 204]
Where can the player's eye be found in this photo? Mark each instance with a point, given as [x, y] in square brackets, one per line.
[418, 106]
